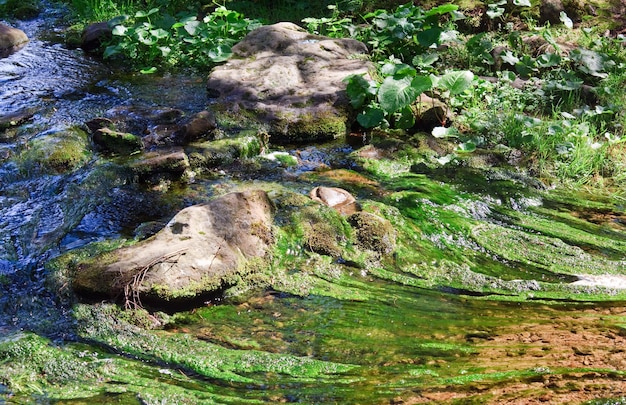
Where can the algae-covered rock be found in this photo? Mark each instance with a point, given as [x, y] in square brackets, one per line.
[123, 143]
[173, 161]
[202, 250]
[291, 81]
[56, 152]
[373, 232]
[212, 154]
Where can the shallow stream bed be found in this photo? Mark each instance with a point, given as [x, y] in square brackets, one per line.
[500, 291]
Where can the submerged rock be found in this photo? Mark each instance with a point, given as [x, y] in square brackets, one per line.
[202, 250]
[56, 152]
[156, 127]
[11, 40]
[153, 164]
[291, 80]
[14, 119]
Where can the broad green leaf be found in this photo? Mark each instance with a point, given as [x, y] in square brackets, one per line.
[148, 71]
[358, 90]
[165, 50]
[508, 76]
[120, 19]
[191, 27]
[220, 53]
[143, 14]
[526, 66]
[429, 37]
[398, 70]
[443, 9]
[445, 159]
[110, 51]
[456, 82]
[445, 132]
[395, 94]
[522, 3]
[566, 20]
[159, 33]
[548, 60]
[119, 30]
[468, 147]
[371, 117]
[425, 59]
[591, 62]
[495, 12]
[508, 57]
[406, 119]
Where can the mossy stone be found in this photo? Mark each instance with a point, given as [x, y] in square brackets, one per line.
[308, 127]
[56, 152]
[373, 232]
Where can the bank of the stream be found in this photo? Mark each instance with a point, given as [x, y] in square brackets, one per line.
[493, 289]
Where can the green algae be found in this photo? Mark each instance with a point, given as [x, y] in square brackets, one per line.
[542, 251]
[343, 325]
[78, 373]
[206, 359]
[219, 152]
[56, 152]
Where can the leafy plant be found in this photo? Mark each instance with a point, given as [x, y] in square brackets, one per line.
[388, 103]
[150, 38]
[405, 32]
[335, 26]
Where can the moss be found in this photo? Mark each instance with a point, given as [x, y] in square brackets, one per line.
[542, 251]
[56, 152]
[291, 128]
[373, 232]
[69, 266]
[33, 361]
[121, 143]
[220, 152]
[208, 360]
[20, 9]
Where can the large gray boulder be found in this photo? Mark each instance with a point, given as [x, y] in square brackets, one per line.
[291, 81]
[202, 250]
[11, 40]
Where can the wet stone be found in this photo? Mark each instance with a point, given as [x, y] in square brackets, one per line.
[11, 40]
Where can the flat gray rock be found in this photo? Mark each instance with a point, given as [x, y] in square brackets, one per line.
[291, 80]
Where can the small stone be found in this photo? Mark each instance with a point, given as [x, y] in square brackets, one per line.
[117, 142]
[336, 198]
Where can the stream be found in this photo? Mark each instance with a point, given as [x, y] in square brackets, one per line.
[375, 336]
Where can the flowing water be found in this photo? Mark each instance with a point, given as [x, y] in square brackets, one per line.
[59, 88]
[368, 337]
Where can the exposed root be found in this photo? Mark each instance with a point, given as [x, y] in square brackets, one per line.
[131, 287]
